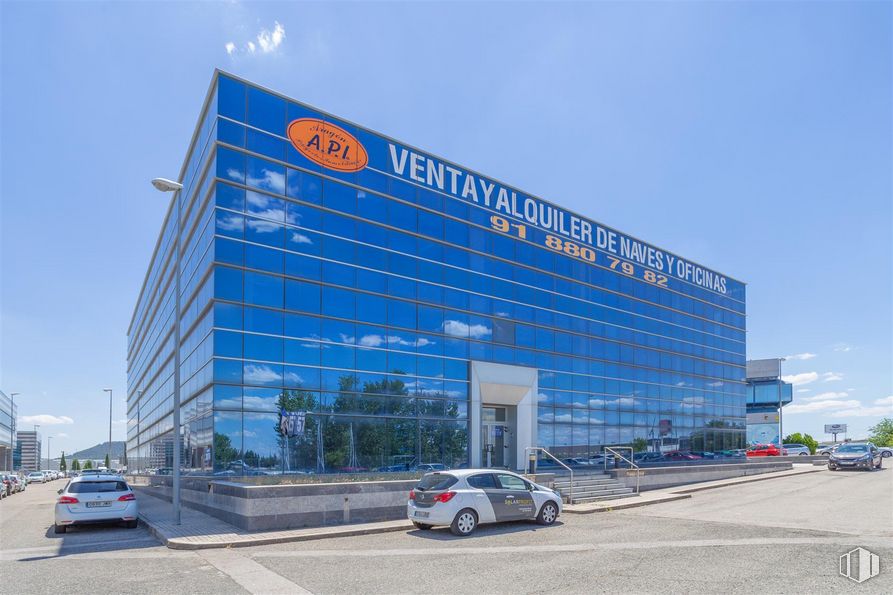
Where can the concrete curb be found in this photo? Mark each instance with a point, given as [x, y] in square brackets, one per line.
[608, 506]
[181, 543]
[746, 479]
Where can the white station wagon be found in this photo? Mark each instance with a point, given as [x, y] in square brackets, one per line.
[463, 499]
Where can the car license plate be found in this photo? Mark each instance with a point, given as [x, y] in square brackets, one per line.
[421, 515]
[846, 463]
[98, 504]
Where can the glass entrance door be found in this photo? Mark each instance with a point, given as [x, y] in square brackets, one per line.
[495, 433]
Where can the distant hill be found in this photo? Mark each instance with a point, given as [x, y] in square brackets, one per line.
[98, 452]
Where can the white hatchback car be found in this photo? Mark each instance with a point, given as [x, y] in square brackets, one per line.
[90, 499]
[462, 499]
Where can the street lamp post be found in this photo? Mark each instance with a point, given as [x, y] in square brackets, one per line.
[109, 449]
[12, 397]
[164, 185]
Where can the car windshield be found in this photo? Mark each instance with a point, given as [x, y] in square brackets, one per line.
[436, 481]
[853, 448]
[92, 487]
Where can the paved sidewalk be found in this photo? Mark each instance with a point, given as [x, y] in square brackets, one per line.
[198, 530]
[201, 531]
[681, 492]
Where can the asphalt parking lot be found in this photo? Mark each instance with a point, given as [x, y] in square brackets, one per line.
[780, 535]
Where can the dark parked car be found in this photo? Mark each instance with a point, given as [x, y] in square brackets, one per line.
[863, 455]
[648, 457]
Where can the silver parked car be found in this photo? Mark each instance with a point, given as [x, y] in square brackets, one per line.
[852, 455]
[797, 449]
[93, 499]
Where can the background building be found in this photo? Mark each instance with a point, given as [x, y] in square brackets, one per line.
[7, 431]
[349, 302]
[767, 393]
[28, 451]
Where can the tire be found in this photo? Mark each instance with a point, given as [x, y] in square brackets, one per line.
[132, 524]
[880, 463]
[421, 526]
[548, 513]
[465, 523]
[830, 468]
[886, 454]
[59, 528]
[802, 454]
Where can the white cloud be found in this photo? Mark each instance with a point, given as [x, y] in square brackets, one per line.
[863, 411]
[804, 390]
[801, 356]
[814, 406]
[457, 328]
[831, 376]
[802, 378]
[267, 41]
[261, 374]
[61, 435]
[843, 347]
[44, 419]
[299, 238]
[826, 396]
[885, 401]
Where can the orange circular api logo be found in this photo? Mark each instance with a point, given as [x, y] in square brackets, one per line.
[327, 144]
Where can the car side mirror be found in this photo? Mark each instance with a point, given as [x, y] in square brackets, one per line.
[60, 492]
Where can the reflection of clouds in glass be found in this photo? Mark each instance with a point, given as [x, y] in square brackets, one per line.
[270, 180]
[563, 417]
[292, 378]
[265, 206]
[234, 174]
[546, 416]
[299, 238]
[229, 222]
[379, 340]
[257, 403]
[457, 328]
[261, 226]
[231, 403]
[542, 397]
[715, 384]
[261, 373]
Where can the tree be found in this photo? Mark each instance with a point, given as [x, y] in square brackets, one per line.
[62, 465]
[88, 464]
[75, 465]
[882, 432]
[804, 439]
[107, 462]
[640, 444]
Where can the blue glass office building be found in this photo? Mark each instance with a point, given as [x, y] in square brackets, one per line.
[349, 303]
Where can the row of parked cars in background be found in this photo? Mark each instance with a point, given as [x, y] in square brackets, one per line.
[13, 483]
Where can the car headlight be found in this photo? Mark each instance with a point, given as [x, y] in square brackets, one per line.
[865, 457]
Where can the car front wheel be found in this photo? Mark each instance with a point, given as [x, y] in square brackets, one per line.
[59, 528]
[464, 523]
[548, 514]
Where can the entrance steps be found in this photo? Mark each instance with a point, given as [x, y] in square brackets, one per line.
[591, 487]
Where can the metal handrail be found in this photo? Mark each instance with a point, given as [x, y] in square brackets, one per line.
[570, 496]
[615, 451]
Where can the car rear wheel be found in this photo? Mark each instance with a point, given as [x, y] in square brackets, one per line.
[802, 454]
[60, 528]
[132, 524]
[464, 523]
[548, 514]
[421, 526]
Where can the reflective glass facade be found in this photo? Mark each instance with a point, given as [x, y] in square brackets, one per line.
[359, 296]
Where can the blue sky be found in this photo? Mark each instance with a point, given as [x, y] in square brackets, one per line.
[753, 137]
